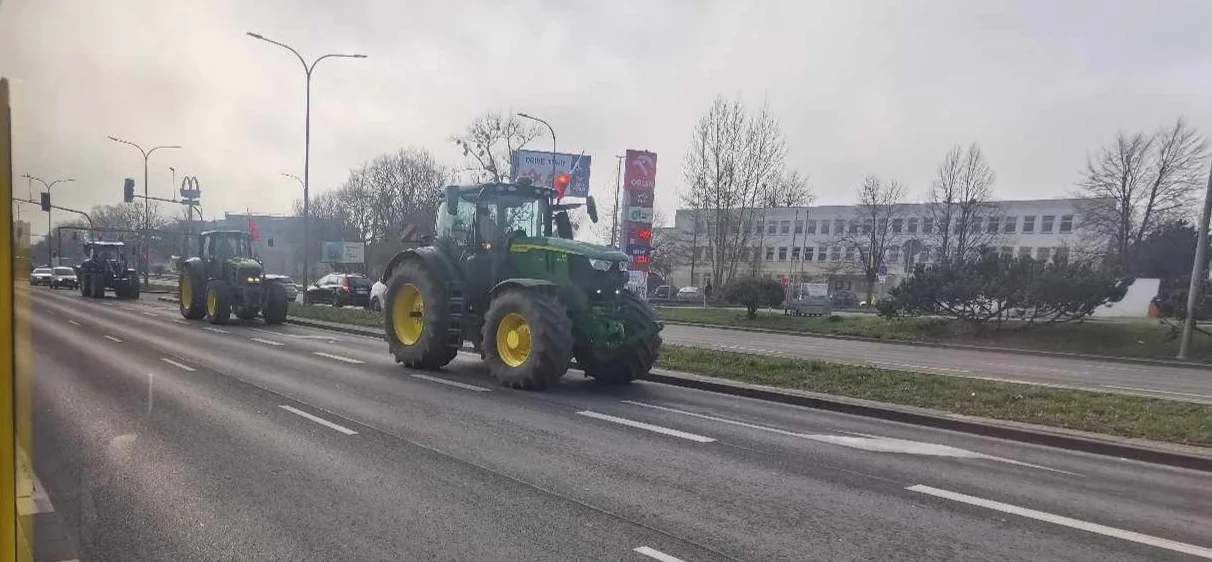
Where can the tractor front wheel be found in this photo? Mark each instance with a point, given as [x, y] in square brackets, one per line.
[527, 339]
[85, 286]
[97, 285]
[276, 304]
[190, 300]
[218, 308]
[417, 319]
[629, 362]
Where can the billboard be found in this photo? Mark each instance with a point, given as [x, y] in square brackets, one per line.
[639, 183]
[343, 252]
[536, 165]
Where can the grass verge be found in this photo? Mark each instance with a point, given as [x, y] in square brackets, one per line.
[356, 316]
[1145, 339]
[1098, 412]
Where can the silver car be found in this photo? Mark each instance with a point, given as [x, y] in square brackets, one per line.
[41, 276]
[64, 277]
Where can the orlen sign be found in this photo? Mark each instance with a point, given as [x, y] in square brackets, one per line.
[639, 180]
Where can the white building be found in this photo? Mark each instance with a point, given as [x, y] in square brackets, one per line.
[808, 243]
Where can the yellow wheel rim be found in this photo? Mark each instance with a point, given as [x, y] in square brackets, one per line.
[187, 292]
[212, 302]
[513, 339]
[408, 314]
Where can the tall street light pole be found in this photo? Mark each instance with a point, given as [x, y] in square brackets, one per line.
[1195, 289]
[146, 201]
[618, 181]
[48, 187]
[307, 69]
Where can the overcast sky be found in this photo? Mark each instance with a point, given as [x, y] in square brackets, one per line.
[860, 87]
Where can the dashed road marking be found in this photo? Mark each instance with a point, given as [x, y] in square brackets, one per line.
[319, 420]
[337, 357]
[452, 383]
[265, 341]
[113, 339]
[179, 321]
[146, 313]
[176, 364]
[1065, 521]
[1156, 391]
[647, 426]
[74, 323]
[654, 553]
[216, 330]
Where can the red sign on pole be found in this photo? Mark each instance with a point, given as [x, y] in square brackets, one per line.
[640, 171]
[639, 180]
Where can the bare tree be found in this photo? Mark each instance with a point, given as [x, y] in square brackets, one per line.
[734, 156]
[963, 217]
[1138, 183]
[869, 234]
[489, 142]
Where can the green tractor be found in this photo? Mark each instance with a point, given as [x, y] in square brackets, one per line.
[226, 278]
[529, 301]
[107, 267]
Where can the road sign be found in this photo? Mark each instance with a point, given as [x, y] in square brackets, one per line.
[536, 165]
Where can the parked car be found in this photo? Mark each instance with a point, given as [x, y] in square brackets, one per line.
[690, 294]
[292, 290]
[339, 289]
[376, 295]
[662, 293]
[41, 276]
[64, 277]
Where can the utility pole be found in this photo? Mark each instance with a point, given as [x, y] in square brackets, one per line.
[1197, 273]
[307, 69]
[618, 181]
[146, 203]
[694, 248]
[791, 266]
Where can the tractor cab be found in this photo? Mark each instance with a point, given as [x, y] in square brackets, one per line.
[106, 253]
[107, 267]
[225, 278]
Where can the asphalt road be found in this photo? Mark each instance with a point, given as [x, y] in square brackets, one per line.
[1174, 383]
[162, 439]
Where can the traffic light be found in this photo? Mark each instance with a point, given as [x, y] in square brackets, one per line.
[46, 206]
[128, 190]
[561, 184]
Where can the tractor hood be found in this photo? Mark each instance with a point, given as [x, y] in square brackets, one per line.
[563, 245]
[244, 264]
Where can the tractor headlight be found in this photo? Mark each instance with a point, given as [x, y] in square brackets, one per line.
[253, 280]
[600, 265]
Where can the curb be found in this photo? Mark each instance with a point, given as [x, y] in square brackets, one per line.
[1015, 350]
[1013, 431]
[1024, 433]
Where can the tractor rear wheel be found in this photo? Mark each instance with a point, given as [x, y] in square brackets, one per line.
[633, 361]
[85, 286]
[218, 309]
[417, 319]
[527, 340]
[276, 304]
[190, 300]
[97, 285]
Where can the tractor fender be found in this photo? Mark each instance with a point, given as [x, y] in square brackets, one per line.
[429, 257]
[522, 283]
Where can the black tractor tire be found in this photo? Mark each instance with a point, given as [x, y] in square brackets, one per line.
[548, 341]
[97, 285]
[626, 363]
[218, 308]
[195, 308]
[276, 304]
[432, 347]
[85, 287]
[134, 287]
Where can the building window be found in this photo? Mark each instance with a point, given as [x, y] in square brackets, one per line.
[824, 227]
[927, 226]
[835, 253]
[1061, 255]
[894, 254]
[772, 227]
[270, 241]
[839, 226]
[799, 227]
[820, 256]
[1042, 254]
[912, 226]
[809, 252]
[812, 227]
[782, 253]
[1046, 225]
[1009, 225]
[795, 254]
[1024, 252]
[1029, 224]
[854, 227]
[1007, 251]
[769, 253]
[757, 229]
[974, 226]
[897, 224]
[1066, 225]
[849, 253]
[991, 226]
[785, 227]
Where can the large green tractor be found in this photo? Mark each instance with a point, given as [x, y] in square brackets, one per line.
[226, 278]
[107, 267]
[528, 300]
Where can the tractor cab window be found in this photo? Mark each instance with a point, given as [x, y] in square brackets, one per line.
[229, 247]
[106, 254]
[457, 227]
[508, 214]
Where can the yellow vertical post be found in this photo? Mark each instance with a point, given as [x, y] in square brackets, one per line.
[8, 434]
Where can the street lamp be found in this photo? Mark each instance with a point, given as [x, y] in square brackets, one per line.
[48, 187]
[307, 69]
[146, 202]
[293, 177]
[553, 144]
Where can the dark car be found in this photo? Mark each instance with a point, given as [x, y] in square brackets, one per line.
[339, 289]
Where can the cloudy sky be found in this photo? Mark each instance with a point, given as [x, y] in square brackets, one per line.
[859, 87]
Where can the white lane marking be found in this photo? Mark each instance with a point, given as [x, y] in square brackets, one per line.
[654, 553]
[150, 377]
[74, 323]
[150, 313]
[113, 339]
[319, 420]
[1066, 521]
[216, 330]
[916, 367]
[337, 357]
[176, 364]
[107, 303]
[179, 321]
[452, 383]
[266, 342]
[297, 336]
[863, 442]
[1155, 391]
[649, 427]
